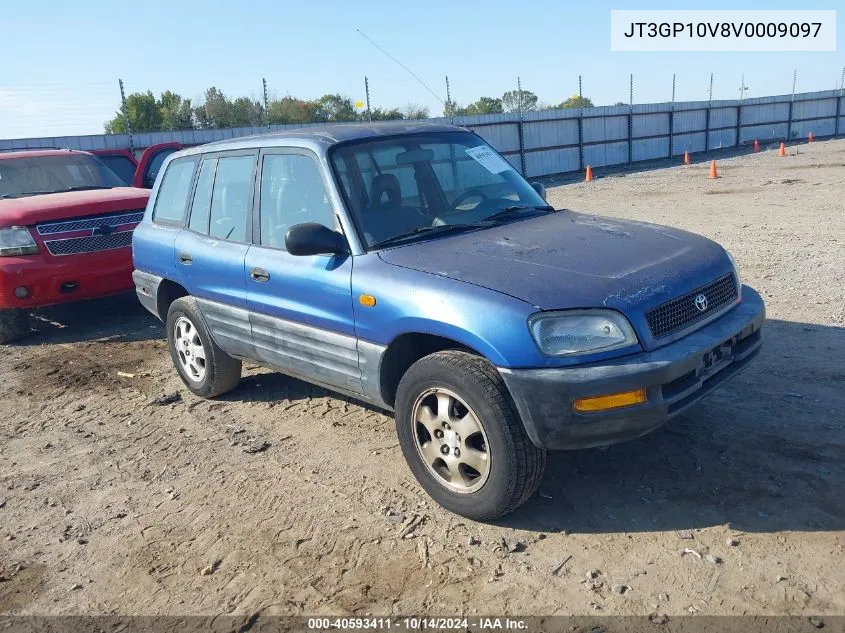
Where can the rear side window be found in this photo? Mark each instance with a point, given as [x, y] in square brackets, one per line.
[202, 197]
[230, 198]
[172, 200]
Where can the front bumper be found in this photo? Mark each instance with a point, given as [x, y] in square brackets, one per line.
[675, 377]
[50, 280]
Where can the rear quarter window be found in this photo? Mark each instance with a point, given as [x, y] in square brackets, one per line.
[171, 203]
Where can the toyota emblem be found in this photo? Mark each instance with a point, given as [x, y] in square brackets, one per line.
[701, 303]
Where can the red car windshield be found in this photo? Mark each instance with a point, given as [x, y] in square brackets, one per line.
[34, 175]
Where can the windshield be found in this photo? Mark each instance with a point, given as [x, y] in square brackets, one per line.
[32, 175]
[420, 185]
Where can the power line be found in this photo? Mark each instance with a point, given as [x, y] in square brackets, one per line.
[411, 72]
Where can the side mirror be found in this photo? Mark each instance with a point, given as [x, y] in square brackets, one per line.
[150, 179]
[540, 189]
[311, 238]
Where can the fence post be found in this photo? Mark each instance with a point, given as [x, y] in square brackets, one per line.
[738, 123]
[631, 122]
[672, 119]
[839, 102]
[266, 103]
[707, 120]
[791, 101]
[520, 128]
[580, 126]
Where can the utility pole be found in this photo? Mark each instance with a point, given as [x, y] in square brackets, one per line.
[266, 102]
[521, 126]
[125, 113]
[450, 110]
[673, 89]
[743, 88]
[367, 93]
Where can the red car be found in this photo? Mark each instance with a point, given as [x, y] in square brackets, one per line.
[66, 223]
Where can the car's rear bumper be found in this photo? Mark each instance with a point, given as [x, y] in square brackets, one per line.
[62, 279]
[146, 287]
[674, 377]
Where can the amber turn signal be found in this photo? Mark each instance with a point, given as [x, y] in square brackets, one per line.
[611, 401]
[367, 300]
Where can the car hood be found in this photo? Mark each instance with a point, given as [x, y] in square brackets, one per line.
[570, 260]
[58, 206]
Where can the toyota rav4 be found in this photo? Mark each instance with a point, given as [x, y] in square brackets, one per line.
[413, 268]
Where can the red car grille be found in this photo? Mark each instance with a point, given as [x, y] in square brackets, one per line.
[90, 234]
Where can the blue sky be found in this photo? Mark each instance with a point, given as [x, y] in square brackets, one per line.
[68, 56]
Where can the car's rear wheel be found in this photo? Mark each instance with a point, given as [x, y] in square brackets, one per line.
[14, 325]
[205, 369]
[462, 438]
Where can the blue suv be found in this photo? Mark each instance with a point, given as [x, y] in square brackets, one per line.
[411, 267]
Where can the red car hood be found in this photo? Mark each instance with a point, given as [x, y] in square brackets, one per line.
[70, 204]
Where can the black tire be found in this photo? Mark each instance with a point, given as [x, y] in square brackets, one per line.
[516, 465]
[14, 325]
[222, 373]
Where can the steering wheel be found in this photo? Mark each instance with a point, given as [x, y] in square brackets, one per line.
[466, 195]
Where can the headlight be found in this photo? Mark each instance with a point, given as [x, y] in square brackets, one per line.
[580, 331]
[16, 241]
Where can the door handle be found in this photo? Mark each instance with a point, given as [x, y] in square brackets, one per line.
[186, 258]
[259, 274]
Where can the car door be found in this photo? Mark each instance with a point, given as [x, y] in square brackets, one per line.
[210, 250]
[300, 306]
[121, 161]
[150, 163]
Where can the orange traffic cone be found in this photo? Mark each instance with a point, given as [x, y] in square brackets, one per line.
[589, 175]
[713, 172]
[810, 138]
[782, 150]
[686, 158]
[756, 146]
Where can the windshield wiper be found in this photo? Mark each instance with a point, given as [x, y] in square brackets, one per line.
[84, 188]
[501, 213]
[24, 194]
[425, 230]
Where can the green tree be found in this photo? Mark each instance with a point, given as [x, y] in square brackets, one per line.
[333, 107]
[511, 101]
[246, 112]
[415, 111]
[288, 110]
[378, 114]
[215, 112]
[574, 102]
[142, 111]
[176, 112]
[485, 105]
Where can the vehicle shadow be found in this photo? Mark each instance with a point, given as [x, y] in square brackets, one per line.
[115, 318]
[763, 453]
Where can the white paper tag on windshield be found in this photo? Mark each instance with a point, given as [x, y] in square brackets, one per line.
[488, 159]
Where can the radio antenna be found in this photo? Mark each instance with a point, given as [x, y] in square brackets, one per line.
[410, 72]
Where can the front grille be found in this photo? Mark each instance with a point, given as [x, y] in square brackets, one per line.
[88, 223]
[680, 313]
[91, 244]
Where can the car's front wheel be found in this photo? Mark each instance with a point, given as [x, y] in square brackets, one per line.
[14, 325]
[205, 369]
[462, 438]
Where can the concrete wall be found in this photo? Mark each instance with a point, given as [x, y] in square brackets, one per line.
[558, 141]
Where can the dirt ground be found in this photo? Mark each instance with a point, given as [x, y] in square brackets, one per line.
[282, 499]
